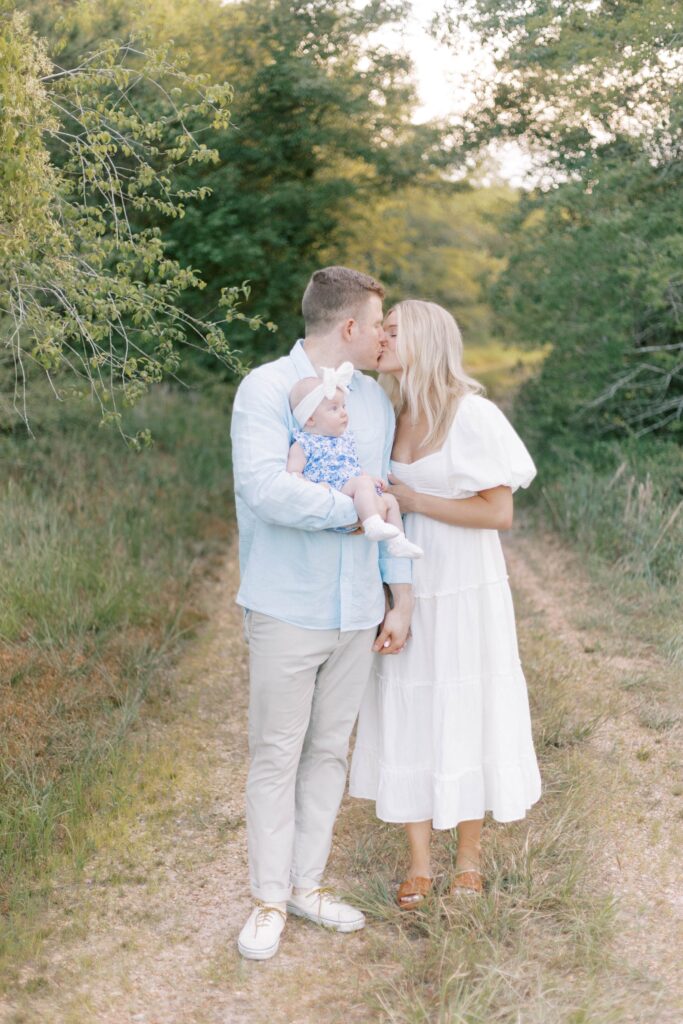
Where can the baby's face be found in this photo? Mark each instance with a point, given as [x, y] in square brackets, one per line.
[331, 417]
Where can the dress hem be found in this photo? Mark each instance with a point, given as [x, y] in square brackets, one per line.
[501, 818]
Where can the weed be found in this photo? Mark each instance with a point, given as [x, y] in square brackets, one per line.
[658, 719]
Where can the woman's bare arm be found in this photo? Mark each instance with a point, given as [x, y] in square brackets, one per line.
[491, 509]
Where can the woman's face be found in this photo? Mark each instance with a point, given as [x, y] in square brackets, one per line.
[388, 362]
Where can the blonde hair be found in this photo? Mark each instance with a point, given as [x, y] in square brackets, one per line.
[429, 348]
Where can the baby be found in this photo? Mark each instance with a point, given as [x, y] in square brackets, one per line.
[324, 452]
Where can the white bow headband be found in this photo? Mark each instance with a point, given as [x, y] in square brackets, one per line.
[332, 379]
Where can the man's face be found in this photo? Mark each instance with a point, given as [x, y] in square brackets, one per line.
[331, 417]
[389, 363]
[367, 335]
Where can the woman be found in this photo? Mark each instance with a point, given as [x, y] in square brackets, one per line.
[444, 733]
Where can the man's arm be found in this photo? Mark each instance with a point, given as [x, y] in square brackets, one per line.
[260, 448]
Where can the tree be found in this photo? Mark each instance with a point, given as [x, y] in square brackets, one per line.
[439, 241]
[87, 295]
[595, 274]
[322, 117]
[596, 93]
[572, 76]
[321, 131]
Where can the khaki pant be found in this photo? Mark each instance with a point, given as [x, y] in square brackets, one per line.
[306, 687]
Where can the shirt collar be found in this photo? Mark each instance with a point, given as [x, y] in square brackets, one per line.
[304, 367]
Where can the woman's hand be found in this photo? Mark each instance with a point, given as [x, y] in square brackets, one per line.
[406, 497]
[394, 632]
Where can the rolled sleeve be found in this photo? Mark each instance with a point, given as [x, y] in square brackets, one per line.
[395, 570]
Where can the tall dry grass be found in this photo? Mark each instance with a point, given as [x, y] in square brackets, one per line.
[101, 548]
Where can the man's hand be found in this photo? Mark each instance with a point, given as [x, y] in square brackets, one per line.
[395, 628]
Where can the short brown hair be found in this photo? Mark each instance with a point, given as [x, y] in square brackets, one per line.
[334, 293]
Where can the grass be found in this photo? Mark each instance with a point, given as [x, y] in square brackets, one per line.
[101, 550]
[535, 948]
[632, 517]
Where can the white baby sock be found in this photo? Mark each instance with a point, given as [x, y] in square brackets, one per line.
[375, 528]
[401, 547]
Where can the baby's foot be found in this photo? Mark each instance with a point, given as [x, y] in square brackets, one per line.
[401, 547]
[375, 528]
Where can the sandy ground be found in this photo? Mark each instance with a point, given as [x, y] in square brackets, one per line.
[147, 933]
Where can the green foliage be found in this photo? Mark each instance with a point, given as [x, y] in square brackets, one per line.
[440, 241]
[322, 117]
[625, 505]
[595, 93]
[595, 273]
[88, 535]
[573, 75]
[88, 294]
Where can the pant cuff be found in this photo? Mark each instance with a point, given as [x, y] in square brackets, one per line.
[300, 882]
[271, 895]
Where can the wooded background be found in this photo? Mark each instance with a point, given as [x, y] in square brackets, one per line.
[171, 172]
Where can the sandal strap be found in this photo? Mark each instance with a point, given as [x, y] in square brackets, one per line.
[414, 887]
[469, 880]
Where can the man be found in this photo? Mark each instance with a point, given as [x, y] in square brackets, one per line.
[313, 596]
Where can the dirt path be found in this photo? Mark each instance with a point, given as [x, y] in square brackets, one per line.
[637, 740]
[147, 934]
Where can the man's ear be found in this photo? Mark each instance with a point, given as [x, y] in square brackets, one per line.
[347, 328]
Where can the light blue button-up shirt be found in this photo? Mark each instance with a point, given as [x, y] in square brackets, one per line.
[294, 566]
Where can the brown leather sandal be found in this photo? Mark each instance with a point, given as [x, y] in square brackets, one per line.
[467, 881]
[412, 892]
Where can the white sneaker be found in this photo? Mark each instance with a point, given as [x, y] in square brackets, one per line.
[320, 906]
[401, 547]
[375, 528]
[260, 937]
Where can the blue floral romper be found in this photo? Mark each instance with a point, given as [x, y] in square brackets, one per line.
[329, 460]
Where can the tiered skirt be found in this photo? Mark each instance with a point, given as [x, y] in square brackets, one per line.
[444, 731]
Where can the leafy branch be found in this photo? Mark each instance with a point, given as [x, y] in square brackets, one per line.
[88, 294]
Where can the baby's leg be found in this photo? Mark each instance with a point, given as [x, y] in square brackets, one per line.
[392, 511]
[365, 497]
[400, 546]
[370, 507]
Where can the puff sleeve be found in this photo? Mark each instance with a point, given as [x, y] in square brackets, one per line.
[484, 450]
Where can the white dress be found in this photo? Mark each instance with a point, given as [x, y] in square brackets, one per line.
[444, 731]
